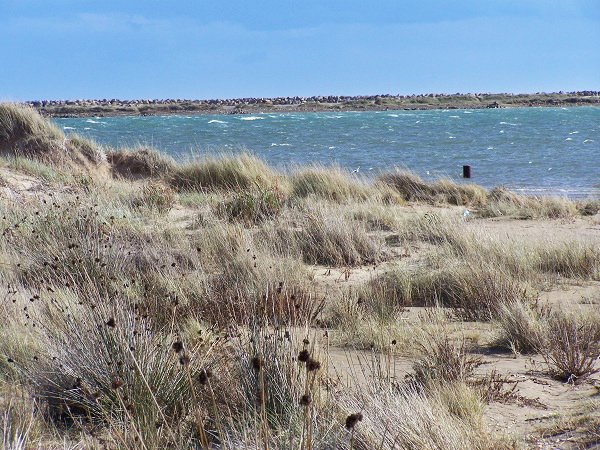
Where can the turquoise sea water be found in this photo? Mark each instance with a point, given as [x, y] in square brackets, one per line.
[536, 150]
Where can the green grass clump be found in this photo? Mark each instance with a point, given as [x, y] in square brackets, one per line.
[412, 188]
[505, 203]
[154, 196]
[24, 133]
[253, 206]
[329, 183]
[226, 173]
[140, 162]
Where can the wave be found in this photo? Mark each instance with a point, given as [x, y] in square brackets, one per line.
[216, 121]
[455, 117]
[511, 124]
[574, 132]
[568, 139]
[251, 118]
[95, 121]
[69, 128]
[393, 115]
[588, 140]
[273, 144]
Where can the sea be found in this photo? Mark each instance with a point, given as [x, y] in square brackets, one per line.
[539, 151]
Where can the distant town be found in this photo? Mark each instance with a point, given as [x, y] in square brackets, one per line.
[112, 107]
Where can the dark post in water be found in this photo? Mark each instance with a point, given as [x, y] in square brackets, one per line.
[466, 171]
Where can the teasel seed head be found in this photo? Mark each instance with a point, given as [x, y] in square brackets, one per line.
[353, 419]
[305, 400]
[304, 356]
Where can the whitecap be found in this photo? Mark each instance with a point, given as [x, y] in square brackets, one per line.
[490, 148]
[574, 132]
[568, 139]
[467, 112]
[252, 118]
[418, 121]
[501, 131]
[455, 117]
[216, 121]
[87, 128]
[331, 147]
[93, 121]
[588, 140]
[393, 115]
[451, 137]
[68, 128]
[508, 123]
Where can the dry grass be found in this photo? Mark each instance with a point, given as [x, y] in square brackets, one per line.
[330, 183]
[225, 173]
[571, 345]
[412, 188]
[505, 203]
[24, 133]
[125, 325]
[140, 162]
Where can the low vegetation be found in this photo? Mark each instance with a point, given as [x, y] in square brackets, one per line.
[150, 304]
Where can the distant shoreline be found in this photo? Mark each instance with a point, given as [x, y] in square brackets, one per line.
[115, 107]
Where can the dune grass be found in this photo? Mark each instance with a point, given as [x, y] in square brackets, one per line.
[189, 305]
[24, 133]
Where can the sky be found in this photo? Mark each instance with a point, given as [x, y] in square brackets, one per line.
[76, 49]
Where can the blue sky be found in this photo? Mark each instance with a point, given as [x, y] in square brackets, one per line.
[68, 49]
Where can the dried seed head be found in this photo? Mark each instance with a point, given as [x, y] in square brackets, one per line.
[184, 360]
[111, 322]
[204, 375]
[305, 400]
[116, 383]
[304, 356]
[313, 365]
[353, 419]
[177, 346]
[256, 363]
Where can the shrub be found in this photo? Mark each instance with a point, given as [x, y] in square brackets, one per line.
[570, 346]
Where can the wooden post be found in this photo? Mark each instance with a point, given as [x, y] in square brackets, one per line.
[466, 171]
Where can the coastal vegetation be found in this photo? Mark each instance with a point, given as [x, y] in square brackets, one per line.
[220, 303]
